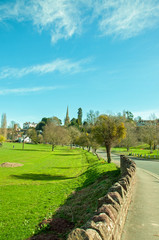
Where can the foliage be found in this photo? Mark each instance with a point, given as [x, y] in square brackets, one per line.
[2, 139]
[109, 130]
[80, 116]
[32, 134]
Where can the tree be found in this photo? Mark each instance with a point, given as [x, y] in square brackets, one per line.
[56, 121]
[2, 139]
[40, 138]
[131, 136]
[92, 117]
[32, 134]
[74, 122]
[129, 116]
[55, 135]
[74, 135]
[80, 116]
[83, 140]
[109, 130]
[150, 133]
[4, 125]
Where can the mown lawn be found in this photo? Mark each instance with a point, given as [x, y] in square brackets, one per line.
[138, 151]
[47, 180]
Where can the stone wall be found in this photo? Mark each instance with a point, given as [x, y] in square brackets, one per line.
[109, 219]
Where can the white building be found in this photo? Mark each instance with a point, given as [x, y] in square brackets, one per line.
[29, 125]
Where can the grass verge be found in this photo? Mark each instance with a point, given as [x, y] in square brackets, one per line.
[49, 184]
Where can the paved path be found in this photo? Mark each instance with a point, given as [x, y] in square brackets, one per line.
[142, 221]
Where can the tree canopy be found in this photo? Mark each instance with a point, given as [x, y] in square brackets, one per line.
[107, 131]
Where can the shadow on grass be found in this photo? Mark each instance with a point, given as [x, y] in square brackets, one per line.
[32, 150]
[79, 207]
[42, 177]
[67, 154]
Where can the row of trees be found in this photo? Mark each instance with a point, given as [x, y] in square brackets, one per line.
[105, 130]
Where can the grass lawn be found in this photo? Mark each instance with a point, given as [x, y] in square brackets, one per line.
[64, 183]
[139, 151]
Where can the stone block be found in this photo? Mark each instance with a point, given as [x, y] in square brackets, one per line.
[109, 210]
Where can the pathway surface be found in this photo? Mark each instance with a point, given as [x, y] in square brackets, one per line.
[142, 221]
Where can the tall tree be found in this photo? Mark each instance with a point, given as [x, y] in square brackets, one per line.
[109, 130]
[4, 125]
[80, 116]
[92, 117]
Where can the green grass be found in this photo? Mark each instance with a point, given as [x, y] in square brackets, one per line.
[46, 182]
[142, 151]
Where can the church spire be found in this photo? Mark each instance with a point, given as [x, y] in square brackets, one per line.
[67, 119]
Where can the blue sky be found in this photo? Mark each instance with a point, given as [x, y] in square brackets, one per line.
[94, 54]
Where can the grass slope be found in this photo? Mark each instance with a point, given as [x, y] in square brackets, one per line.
[47, 180]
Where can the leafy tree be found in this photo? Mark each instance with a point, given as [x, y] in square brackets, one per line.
[108, 130]
[40, 138]
[80, 116]
[33, 135]
[74, 122]
[129, 116]
[2, 139]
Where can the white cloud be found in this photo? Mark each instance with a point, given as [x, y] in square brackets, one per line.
[65, 18]
[61, 65]
[126, 18]
[27, 90]
[60, 17]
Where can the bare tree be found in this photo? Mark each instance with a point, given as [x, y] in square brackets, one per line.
[55, 135]
[131, 136]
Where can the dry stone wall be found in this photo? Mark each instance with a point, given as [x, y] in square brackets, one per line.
[109, 219]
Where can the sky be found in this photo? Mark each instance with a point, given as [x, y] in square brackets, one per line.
[94, 54]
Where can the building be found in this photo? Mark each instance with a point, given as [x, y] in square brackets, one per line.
[67, 119]
[28, 125]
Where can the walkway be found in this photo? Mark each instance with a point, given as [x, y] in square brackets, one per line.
[142, 221]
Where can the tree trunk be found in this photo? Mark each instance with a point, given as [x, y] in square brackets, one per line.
[127, 149]
[108, 148]
[23, 144]
[52, 147]
[154, 146]
[89, 149]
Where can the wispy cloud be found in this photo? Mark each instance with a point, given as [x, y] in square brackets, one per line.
[63, 66]
[28, 90]
[126, 18]
[63, 18]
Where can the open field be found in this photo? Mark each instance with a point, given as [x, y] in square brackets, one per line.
[142, 151]
[46, 181]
